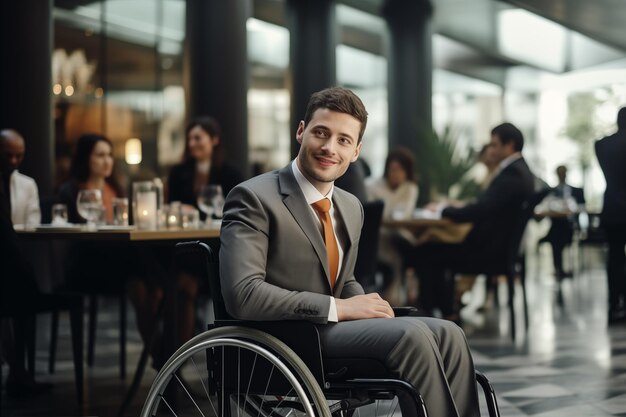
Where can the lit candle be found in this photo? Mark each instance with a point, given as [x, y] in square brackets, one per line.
[146, 210]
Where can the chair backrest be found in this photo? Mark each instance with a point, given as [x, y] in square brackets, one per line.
[526, 212]
[365, 267]
[206, 261]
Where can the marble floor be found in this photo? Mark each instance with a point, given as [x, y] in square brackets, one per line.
[568, 364]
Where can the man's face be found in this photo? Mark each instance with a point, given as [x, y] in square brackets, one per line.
[12, 153]
[498, 150]
[329, 143]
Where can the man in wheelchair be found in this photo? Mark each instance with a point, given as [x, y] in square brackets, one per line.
[289, 242]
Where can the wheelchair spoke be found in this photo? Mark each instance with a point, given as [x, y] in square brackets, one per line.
[223, 403]
[206, 391]
[189, 395]
[266, 388]
[168, 406]
[251, 373]
[281, 401]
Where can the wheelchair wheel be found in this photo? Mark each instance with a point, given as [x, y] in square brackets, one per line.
[235, 372]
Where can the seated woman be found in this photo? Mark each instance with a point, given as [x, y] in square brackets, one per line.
[399, 191]
[203, 164]
[105, 267]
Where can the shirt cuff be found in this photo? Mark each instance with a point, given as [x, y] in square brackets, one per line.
[332, 311]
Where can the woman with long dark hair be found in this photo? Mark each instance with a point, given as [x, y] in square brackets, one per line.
[97, 268]
[203, 163]
[91, 169]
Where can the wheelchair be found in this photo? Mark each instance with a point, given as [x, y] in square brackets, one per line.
[265, 369]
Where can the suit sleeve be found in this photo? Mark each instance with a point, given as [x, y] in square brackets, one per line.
[243, 257]
[502, 193]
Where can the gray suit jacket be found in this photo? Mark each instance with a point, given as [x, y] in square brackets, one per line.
[273, 262]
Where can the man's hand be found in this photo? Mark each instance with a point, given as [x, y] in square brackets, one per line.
[367, 306]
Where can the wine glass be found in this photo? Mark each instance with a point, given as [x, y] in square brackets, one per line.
[89, 206]
[211, 201]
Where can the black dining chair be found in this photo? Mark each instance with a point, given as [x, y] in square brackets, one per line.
[512, 262]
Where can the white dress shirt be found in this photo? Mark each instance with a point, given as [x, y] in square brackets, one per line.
[24, 200]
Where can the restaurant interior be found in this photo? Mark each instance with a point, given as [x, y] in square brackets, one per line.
[435, 76]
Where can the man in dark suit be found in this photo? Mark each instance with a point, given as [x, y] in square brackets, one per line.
[283, 257]
[494, 215]
[611, 153]
[562, 228]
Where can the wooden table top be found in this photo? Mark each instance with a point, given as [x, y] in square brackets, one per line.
[129, 234]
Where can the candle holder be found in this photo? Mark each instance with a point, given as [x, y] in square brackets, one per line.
[145, 205]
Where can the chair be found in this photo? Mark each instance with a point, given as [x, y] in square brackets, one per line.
[259, 367]
[367, 259]
[91, 329]
[25, 320]
[513, 261]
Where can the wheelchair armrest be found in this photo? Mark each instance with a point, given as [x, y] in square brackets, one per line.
[404, 311]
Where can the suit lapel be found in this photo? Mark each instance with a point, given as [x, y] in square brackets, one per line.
[296, 204]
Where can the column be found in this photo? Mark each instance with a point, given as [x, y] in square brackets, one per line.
[216, 70]
[26, 79]
[312, 43]
[409, 71]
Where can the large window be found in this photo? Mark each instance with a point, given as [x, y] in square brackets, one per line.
[117, 71]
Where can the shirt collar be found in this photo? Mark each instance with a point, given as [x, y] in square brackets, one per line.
[509, 160]
[311, 194]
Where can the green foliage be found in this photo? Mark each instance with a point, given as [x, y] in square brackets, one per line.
[581, 126]
[442, 162]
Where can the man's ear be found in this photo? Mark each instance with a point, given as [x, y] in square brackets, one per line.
[300, 132]
[357, 152]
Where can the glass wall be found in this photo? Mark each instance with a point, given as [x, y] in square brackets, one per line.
[117, 71]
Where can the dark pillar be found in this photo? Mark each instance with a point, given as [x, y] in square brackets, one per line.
[409, 71]
[312, 43]
[216, 70]
[25, 80]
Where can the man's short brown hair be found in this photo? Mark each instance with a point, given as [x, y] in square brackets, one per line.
[337, 99]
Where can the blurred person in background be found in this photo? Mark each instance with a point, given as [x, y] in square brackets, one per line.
[91, 169]
[108, 267]
[398, 190]
[611, 151]
[203, 164]
[17, 287]
[21, 190]
[562, 229]
[493, 214]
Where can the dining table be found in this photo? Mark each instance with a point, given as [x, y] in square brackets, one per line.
[143, 239]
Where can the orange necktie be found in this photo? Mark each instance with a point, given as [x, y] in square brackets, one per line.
[332, 250]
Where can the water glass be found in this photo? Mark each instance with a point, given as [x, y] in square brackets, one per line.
[120, 211]
[89, 206]
[211, 201]
[59, 214]
[189, 218]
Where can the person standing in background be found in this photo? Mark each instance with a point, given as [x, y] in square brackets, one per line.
[21, 189]
[611, 151]
[562, 228]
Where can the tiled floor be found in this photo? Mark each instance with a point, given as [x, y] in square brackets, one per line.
[568, 364]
